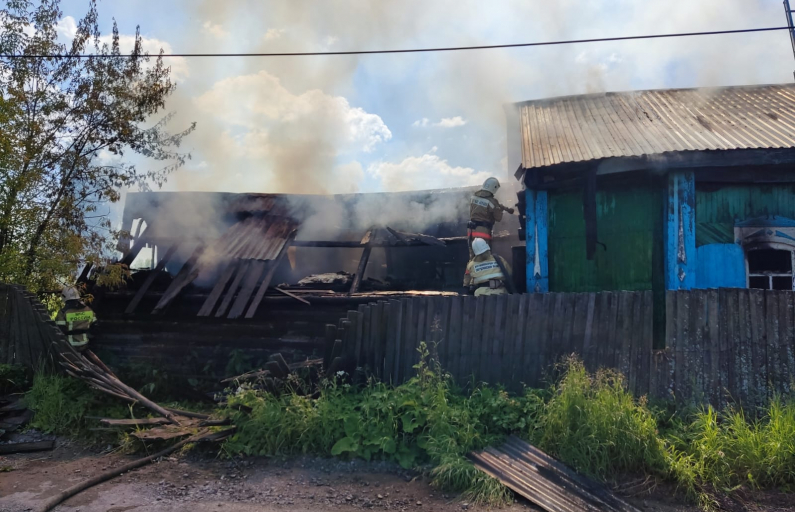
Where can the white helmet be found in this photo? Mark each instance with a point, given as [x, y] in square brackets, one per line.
[491, 185]
[70, 293]
[479, 246]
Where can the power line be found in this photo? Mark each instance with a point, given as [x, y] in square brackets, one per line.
[416, 50]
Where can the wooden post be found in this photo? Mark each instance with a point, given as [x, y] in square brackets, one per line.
[357, 278]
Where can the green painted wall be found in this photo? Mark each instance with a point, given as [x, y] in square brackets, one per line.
[628, 218]
[718, 207]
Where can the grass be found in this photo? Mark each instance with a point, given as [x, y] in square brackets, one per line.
[589, 421]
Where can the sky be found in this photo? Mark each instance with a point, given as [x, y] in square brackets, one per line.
[340, 124]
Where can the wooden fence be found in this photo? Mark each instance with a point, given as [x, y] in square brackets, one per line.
[722, 346]
[509, 339]
[727, 346]
[26, 330]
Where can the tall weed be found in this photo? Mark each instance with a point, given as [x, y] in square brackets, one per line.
[595, 425]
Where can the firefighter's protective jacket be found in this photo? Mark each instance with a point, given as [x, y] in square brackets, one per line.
[75, 319]
[484, 207]
[484, 268]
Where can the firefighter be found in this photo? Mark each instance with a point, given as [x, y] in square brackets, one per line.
[485, 273]
[75, 319]
[484, 211]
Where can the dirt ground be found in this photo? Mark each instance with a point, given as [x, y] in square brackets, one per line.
[201, 482]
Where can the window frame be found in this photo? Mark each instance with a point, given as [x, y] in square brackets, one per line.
[774, 246]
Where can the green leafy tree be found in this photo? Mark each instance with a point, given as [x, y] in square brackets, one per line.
[61, 118]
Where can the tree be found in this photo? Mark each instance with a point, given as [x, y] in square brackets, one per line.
[69, 126]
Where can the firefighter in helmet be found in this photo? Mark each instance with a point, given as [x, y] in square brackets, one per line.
[486, 273]
[75, 318]
[484, 212]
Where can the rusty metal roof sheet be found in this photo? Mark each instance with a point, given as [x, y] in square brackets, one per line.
[639, 123]
[255, 238]
[545, 481]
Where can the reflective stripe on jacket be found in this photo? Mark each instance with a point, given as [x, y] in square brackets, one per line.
[480, 271]
[75, 319]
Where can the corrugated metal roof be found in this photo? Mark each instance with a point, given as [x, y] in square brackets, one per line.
[545, 481]
[255, 238]
[623, 124]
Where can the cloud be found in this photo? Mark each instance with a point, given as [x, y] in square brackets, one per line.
[258, 102]
[273, 33]
[214, 29]
[424, 172]
[445, 122]
[451, 122]
[67, 28]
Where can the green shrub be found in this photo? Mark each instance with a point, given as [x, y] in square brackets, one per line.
[13, 379]
[595, 425]
[61, 405]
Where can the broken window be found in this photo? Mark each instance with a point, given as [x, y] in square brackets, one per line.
[770, 269]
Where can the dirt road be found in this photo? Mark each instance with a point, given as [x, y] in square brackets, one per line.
[203, 483]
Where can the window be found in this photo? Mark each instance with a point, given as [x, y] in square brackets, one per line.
[770, 269]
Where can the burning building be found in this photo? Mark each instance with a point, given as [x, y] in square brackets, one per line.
[215, 272]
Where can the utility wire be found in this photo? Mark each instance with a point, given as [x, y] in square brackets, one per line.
[413, 50]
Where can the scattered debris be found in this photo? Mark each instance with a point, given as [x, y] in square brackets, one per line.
[545, 481]
[328, 279]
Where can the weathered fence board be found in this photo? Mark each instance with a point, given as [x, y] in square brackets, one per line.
[512, 340]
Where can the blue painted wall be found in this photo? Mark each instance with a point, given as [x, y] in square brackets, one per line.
[537, 237]
[680, 232]
[720, 266]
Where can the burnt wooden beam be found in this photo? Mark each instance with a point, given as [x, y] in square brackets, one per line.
[410, 237]
[151, 279]
[368, 248]
[266, 281]
[184, 277]
[289, 294]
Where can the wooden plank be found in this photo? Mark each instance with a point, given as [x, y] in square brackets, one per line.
[787, 340]
[531, 339]
[758, 348]
[184, 277]
[499, 365]
[646, 352]
[218, 288]
[33, 446]
[331, 335]
[397, 312]
[151, 279]
[362, 267]
[700, 391]
[404, 336]
[266, 281]
[443, 311]
[518, 311]
[380, 340]
[409, 344]
[635, 332]
[454, 342]
[250, 280]
[110, 422]
[488, 362]
[358, 342]
[363, 356]
[773, 322]
[466, 367]
[478, 352]
[724, 332]
[240, 273]
[743, 361]
[390, 342]
[375, 324]
[712, 348]
[579, 321]
[589, 346]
